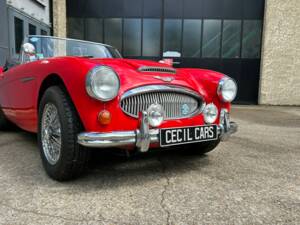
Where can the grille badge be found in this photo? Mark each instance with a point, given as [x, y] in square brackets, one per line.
[165, 79]
[185, 109]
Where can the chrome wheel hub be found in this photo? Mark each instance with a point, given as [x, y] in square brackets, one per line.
[51, 133]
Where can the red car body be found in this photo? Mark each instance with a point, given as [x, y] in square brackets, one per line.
[76, 95]
[21, 88]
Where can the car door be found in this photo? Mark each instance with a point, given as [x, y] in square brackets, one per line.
[20, 86]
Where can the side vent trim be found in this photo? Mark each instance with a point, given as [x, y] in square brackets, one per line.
[154, 69]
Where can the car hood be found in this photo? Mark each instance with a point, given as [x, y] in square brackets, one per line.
[132, 64]
[202, 81]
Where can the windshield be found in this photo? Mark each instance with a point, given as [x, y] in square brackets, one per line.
[47, 47]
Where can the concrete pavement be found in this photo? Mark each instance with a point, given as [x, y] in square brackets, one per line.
[254, 178]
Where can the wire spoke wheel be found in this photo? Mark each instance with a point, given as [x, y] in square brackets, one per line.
[51, 133]
[62, 157]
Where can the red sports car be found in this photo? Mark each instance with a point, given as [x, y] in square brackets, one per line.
[78, 95]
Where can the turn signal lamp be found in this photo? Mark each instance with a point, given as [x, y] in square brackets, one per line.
[104, 117]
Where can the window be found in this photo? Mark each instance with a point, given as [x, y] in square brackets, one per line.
[43, 32]
[94, 29]
[253, 9]
[32, 29]
[211, 39]
[191, 38]
[19, 34]
[151, 37]
[76, 28]
[152, 9]
[231, 39]
[132, 37]
[233, 9]
[111, 8]
[113, 32]
[173, 8]
[213, 9]
[133, 8]
[251, 39]
[193, 9]
[172, 35]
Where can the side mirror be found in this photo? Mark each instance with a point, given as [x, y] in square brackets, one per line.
[1, 69]
[29, 49]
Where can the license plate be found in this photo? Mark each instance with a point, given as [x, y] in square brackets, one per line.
[186, 135]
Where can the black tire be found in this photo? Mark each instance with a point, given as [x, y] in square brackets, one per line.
[73, 158]
[4, 123]
[202, 148]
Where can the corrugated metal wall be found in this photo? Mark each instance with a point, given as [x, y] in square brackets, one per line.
[222, 35]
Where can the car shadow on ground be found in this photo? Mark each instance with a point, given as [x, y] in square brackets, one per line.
[113, 172]
[113, 168]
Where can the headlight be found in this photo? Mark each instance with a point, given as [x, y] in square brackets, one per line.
[102, 83]
[210, 113]
[227, 89]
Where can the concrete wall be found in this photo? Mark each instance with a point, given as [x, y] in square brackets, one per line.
[38, 11]
[4, 48]
[59, 18]
[280, 67]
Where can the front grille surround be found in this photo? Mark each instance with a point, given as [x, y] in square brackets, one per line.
[170, 97]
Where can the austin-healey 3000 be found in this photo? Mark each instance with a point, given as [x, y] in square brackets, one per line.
[77, 95]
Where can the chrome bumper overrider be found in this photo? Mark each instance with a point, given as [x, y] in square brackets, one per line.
[143, 137]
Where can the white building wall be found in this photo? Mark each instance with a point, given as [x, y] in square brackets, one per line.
[280, 79]
[59, 18]
[39, 11]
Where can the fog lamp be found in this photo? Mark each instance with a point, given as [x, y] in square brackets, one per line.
[210, 113]
[155, 115]
[104, 117]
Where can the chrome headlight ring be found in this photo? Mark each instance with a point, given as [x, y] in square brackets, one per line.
[102, 83]
[227, 89]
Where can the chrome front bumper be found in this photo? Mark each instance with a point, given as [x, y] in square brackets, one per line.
[143, 137]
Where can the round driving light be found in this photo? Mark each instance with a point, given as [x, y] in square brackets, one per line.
[227, 89]
[104, 117]
[155, 115]
[102, 83]
[210, 113]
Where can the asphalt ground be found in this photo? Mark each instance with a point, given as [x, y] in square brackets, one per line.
[254, 178]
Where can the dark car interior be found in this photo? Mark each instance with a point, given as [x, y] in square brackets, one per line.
[10, 63]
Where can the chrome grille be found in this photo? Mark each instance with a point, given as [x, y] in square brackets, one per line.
[177, 102]
[157, 69]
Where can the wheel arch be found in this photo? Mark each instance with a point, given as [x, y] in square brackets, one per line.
[50, 80]
[55, 80]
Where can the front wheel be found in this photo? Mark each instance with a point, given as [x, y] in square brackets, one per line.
[63, 158]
